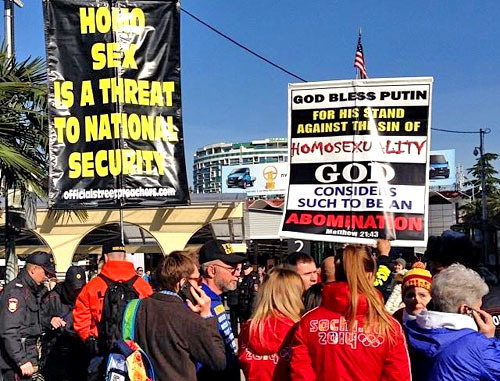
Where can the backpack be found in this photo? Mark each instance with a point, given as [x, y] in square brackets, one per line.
[127, 361]
[117, 295]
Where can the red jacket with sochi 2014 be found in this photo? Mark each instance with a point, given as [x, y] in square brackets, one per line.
[89, 304]
[266, 358]
[325, 349]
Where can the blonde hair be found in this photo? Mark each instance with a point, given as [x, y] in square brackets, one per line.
[280, 294]
[357, 262]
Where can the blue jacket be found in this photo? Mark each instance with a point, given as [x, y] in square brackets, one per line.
[453, 353]
[232, 370]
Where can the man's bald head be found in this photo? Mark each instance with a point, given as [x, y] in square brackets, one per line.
[328, 270]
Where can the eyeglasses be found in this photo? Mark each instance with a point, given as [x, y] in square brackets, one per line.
[232, 270]
[198, 280]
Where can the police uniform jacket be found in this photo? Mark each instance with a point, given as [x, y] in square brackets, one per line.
[20, 323]
[247, 293]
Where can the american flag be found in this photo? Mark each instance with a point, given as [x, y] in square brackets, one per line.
[359, 60]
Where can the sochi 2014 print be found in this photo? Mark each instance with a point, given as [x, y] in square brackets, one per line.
[359, 160]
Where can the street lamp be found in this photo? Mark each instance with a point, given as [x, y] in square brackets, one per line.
[8, 16]
[484, 210]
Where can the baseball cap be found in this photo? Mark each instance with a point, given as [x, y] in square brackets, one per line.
[219, 249]
[113, 245]
[44, 260]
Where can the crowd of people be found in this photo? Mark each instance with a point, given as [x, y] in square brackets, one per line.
[362, 315]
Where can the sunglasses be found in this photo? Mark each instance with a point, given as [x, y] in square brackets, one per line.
[198, 280]
[232, 270]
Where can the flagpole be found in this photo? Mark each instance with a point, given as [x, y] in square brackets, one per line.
[359, 59]
[358, 73]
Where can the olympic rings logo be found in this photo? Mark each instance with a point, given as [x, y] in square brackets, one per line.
[370, 340]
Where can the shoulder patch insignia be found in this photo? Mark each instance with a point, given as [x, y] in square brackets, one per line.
[13, 304]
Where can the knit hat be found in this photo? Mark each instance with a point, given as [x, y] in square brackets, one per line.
[419, 278]
[401, 261]
[418, 265]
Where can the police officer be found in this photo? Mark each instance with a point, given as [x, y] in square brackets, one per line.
[247, 291]
[20, 319]
[232, 303]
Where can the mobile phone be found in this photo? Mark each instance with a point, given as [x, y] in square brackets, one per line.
[185, 293]
[468, 311]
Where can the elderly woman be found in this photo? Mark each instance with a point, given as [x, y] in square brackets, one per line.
[417, 285]
[455, 340]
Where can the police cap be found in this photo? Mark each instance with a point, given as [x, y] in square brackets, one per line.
[44, 260]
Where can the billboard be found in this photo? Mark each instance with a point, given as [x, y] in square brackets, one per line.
[359, 154]
[442, 169]
[255, 179]
[115, 127]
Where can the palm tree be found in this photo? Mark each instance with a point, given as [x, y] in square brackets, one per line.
[23, 136]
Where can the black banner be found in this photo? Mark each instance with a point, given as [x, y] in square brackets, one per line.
[116, 137]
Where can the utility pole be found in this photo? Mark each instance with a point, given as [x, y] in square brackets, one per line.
[484, 211]
[484, 201]
[9, 27]
[11, 263]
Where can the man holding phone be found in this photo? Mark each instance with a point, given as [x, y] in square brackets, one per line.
[221, 267]
[174, 337]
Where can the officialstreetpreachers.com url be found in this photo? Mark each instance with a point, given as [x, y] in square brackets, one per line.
[92, 194]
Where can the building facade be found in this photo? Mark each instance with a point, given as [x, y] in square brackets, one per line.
[209, 160]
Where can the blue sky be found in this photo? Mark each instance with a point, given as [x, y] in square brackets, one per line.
[229, 95]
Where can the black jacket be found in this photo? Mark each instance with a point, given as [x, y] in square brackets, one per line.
[384, 278]
[20, 322]
[247, 293]
[175, 338]
[63, 352]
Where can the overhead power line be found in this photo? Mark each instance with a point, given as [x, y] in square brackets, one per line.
[243, 46]
[285, 70]
[455, 131]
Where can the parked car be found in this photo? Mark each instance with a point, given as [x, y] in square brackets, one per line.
[439, 167]
[240, 177]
